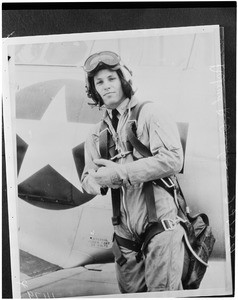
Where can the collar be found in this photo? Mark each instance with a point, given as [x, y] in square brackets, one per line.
[126, 104]
[120, 108]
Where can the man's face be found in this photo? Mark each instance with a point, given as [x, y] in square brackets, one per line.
[108, 85]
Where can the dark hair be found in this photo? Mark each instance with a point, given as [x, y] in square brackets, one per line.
[92, 92]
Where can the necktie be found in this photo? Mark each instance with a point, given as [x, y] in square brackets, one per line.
[114, 119]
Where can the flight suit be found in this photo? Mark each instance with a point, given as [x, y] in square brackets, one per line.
[162, 266]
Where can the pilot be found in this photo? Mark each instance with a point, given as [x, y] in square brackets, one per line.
[132, 179]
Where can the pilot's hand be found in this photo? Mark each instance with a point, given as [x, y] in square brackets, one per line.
[94, 188]
[108, 174]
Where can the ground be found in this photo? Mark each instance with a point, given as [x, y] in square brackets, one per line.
[100, 280]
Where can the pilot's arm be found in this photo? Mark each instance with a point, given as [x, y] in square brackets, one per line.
[160, 134]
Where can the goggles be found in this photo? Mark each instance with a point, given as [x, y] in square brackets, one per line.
[108, 58]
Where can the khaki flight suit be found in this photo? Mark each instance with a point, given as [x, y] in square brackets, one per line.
[161, 269]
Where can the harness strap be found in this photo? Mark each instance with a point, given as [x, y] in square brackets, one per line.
[131, 131]
[145, 152]
[107, 148]
[150, 232]
[150, 202]
[129, 244]
[173, 191]
[119, 257]
[116, 206]
[140, 147]
[103, 148]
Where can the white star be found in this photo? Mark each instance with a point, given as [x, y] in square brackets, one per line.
[51, 140]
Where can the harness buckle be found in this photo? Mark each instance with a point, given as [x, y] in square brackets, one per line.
[179, 219]
[121, 260]
[167, 184]
[120, 155]
[116, 220]
[169, 224]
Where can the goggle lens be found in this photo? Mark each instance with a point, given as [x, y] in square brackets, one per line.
[107, 57]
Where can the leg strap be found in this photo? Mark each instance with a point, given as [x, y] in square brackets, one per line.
[117, 240]
[151, 231]
[154, 229]
[120, 259]
[132, 245]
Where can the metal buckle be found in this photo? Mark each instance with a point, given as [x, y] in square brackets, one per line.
[179, 219]
[121, 260]
[169, 224]
[171, 182]
[120, 155]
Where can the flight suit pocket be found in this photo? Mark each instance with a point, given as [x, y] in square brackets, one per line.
[168, 135]
[165, 141]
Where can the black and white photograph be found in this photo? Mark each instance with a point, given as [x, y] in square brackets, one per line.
[116, 163]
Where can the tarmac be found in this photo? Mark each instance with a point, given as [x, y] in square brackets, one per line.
[100, 280]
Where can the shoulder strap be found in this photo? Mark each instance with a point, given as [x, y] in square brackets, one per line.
[145, 152]
[131, 131]
[135, 112]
